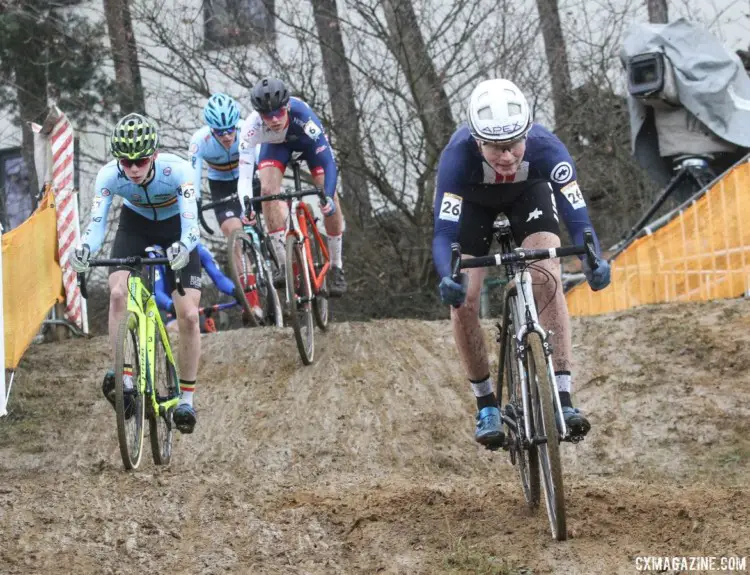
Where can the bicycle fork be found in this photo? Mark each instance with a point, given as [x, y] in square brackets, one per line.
[526, 308]
[304, 273]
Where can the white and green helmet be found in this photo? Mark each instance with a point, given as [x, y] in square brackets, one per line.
[134, 137]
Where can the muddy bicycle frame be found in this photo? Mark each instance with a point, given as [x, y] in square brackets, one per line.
[520, 292]
[300, 220]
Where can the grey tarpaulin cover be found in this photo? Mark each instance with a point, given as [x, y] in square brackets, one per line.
[710, 79]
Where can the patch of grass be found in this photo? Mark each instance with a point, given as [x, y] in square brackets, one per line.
[468, 560]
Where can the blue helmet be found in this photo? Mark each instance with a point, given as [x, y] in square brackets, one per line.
[221, 112]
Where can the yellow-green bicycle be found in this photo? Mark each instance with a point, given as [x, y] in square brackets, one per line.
[145, 369]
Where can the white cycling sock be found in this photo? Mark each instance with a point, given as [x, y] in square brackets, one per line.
[334, 250]
[187, 388]
[563, 381]
[278, 239]
[482, 388]
[127, 377]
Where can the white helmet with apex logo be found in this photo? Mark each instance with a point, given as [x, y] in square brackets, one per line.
[498, 111]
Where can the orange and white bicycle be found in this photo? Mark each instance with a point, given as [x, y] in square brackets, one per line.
[307, 265]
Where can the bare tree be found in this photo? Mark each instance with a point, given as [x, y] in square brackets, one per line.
[31, 82]
[413, 66]
[125, 56]
[557, 61]
[343, 109]
[657, 11]
[426, 87]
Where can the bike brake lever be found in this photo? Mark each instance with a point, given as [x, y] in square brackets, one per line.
[81, 281]
[178, 282]
[588, 240]
[456, 274]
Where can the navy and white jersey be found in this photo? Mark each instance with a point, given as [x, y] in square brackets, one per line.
[304, 133]
[169, 193]
[462, 167]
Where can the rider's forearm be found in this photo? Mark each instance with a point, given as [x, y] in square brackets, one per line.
[577, 220]
[190, 232]
[331, 174]
[245, 181]
[197, 175]
[94, 234]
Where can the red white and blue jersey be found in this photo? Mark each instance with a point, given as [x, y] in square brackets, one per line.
[303, 133]
[462, 167]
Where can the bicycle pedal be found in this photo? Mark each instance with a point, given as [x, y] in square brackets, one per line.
[574, 438]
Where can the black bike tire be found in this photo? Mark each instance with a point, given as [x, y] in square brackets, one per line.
[131, 455]
[528, 460]
[321, 307]
[161, 443]
[306, 348]
[240, 236]
[543, 401]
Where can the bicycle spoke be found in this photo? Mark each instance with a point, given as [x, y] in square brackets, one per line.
[166, 387]
[546, 426]
[129, 401]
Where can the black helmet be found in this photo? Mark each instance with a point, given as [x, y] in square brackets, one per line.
[269, 95]
[134, 137]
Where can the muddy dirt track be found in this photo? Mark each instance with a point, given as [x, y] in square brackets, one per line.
[365, 463]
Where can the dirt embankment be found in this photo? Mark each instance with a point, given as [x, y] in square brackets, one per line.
[365, 463]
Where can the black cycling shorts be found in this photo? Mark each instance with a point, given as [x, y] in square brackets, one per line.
[220, 189]
[135, 233]
[530, 207]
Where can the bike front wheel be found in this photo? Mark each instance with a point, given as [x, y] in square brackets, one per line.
[299, 300]
[545, 425]
[129, 399]
[525, 457]
[320, 303]
[166, 387]
[252, 280]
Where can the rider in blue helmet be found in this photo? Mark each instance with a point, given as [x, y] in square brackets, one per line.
[221, 112]
[217, 144]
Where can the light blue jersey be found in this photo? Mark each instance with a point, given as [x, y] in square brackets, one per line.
[223, 164]
[169, 193]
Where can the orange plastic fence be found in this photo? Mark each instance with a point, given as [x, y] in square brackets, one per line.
[703, 253]
[32, 279]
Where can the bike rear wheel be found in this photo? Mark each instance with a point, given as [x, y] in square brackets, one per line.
[166, 387]
[546, 425]
[130, 422]
[525, 458]
[299, 300]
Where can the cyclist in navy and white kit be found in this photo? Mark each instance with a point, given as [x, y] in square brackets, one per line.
[284, 125]
[217, 144]
[159, 207]
[502, 162]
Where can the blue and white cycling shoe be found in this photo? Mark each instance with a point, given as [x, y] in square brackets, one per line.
[489, 430]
